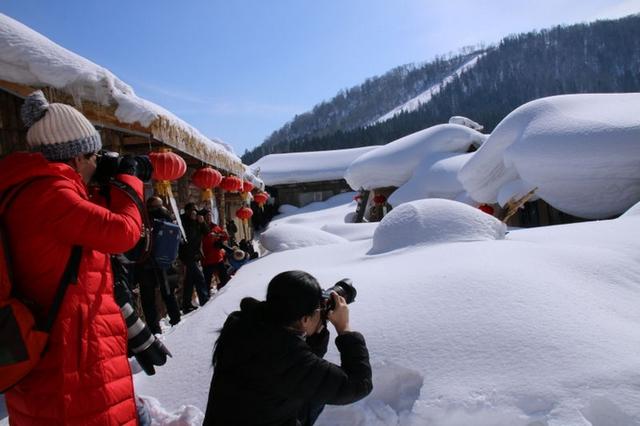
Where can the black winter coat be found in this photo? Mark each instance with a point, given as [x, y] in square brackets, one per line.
[268, 375]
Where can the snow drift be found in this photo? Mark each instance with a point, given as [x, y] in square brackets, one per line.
[581, 151]
[435, 177]
[540, 328]
[434, 221]
[288, 237]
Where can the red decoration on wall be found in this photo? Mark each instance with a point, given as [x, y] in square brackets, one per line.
[487, 209]
[379, 199]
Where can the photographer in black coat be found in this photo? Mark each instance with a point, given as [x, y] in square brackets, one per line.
[268, 366]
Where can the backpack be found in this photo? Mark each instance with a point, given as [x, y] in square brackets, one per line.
[23, 337]
[165, 243]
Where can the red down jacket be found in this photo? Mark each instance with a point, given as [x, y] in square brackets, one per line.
[84, 377]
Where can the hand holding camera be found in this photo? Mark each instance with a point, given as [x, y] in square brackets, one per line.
[334, 304]
[339, 315]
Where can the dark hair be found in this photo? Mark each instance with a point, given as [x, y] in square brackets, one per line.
[292, 295]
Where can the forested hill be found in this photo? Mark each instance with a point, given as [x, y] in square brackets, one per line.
[601, 57]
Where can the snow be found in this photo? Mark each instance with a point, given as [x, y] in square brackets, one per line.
[582, 152]
[425, 97]
[434, 221]
[29, 58]
[287, 237]
[436, 176]
[299, 167]
[464, 121]
[393, 164]
[541, 327]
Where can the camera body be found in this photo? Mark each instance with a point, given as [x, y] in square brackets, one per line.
[343, 288]
[109, 164]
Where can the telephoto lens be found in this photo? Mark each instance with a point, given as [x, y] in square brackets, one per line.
[344, 288]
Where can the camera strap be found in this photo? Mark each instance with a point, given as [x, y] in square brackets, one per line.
[145, 239]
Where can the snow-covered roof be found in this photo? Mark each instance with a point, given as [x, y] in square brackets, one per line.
[582, 152]
[31, 61]
[394, 164]
[251, 177]
[300, 167]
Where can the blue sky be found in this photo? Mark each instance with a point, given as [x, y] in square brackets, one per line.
[240, 69]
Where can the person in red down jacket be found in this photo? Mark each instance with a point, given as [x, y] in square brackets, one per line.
[84, 376]
[214, 255]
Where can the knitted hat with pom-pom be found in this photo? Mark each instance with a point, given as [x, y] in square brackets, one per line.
[59, 131]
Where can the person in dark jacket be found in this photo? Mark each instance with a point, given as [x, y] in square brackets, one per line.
[190, 254]
[267, 362]
[153, 276]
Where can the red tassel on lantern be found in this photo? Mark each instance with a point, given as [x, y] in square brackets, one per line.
[167, 166]
[244, 213]
[206, 179]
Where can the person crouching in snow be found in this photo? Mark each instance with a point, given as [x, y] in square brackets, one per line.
[267, 361]
[84, 376]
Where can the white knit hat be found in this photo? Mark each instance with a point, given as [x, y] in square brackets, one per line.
[59, 131]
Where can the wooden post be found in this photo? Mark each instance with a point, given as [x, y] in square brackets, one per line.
[513, 205]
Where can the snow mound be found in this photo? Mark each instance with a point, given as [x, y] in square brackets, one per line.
[435, 177]
[434, 221]
[394, 163]
[288, 237]
[352, 231]
[287, 209]
[581, 151]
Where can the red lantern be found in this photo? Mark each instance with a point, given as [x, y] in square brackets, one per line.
[167, 166]
[379, 199]
[486, 208]
[231, 184]
[261, 198]
[357, 198]
[244, 213]
[206, 179]
[247, 186]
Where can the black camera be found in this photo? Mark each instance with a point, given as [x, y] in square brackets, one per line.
[344, 288]
[111, 163]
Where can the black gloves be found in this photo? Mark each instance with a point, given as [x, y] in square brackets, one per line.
[139, 166]
[155, 354]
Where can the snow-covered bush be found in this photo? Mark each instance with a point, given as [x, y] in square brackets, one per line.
[434, 221]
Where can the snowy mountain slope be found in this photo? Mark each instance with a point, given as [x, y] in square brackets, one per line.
[425, 97]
